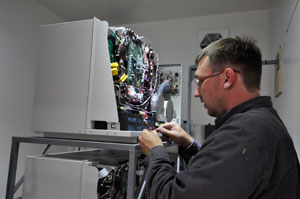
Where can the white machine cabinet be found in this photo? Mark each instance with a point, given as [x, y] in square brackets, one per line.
[74, 86]
[71, 175]
[49, 178]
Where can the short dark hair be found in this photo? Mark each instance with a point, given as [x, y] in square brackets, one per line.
[242, 53]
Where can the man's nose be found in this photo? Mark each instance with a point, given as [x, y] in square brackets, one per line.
[197, 93]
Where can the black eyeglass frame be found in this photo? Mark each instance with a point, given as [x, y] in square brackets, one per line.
[200, 82]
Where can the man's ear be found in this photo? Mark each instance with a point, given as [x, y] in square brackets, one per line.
[227, 84]
[229, 77]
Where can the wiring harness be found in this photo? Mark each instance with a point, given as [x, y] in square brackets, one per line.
[134, 66]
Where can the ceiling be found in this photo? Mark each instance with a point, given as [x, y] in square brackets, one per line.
[118, 12]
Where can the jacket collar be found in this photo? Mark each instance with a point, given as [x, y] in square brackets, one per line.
[257, 102]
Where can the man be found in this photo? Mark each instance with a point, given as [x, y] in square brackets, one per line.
[249, 155]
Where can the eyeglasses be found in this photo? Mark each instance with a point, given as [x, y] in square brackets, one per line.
[200, 82]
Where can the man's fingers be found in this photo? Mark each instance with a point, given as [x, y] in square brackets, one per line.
[145, 131]
[146, 134]
[154, 132]
[168, 125]
[148, 140]
[164, 131]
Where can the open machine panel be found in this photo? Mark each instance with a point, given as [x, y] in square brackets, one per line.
[98, 82]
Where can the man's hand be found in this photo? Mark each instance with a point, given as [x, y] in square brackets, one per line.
[148, 140]
[174, 132]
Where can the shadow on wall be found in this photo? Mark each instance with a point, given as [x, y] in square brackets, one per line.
[200, 132]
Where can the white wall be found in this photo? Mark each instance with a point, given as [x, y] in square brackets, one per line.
[19, 37]
[176, 42]
[287, 104]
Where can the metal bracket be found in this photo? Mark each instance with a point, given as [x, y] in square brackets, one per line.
[270, 62]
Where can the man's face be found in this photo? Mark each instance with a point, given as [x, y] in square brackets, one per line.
[209, 88]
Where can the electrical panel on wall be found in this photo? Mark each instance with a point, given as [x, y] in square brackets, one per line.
[98, 82]
[170, 85]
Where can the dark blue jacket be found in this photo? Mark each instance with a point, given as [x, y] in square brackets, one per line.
[249, 155]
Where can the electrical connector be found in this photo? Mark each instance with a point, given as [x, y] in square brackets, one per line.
[114, 71]
[114, 65]
[123, 78]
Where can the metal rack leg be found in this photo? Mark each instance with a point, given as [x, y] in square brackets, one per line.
[11, 178]
[19, 184]
[131, 175]
[141, 190]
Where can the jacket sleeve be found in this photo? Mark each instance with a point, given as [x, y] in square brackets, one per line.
[186, 154]
[228, 165]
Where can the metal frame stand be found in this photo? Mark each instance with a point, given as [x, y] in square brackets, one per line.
[192, 70]
[133, 149]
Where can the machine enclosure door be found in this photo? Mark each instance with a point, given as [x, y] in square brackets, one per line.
[49, 178]
[74, 85]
